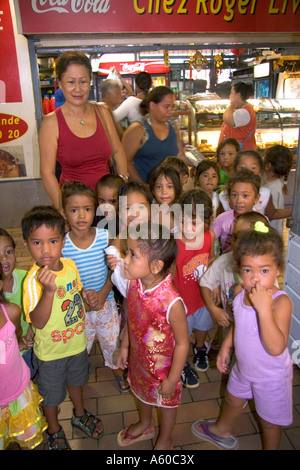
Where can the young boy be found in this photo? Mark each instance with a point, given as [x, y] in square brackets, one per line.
[107, 194]
[53, 304]
[180, 166]
[195, 251]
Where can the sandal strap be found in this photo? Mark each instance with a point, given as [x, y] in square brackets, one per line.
[58, 435]
[81, 422]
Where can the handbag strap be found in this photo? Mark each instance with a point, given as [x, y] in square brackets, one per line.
[99, 111]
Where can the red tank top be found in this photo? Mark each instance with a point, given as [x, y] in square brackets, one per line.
[190, 265]
[82, 159]
[245, 135]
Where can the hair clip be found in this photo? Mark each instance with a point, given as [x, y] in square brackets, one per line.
[261, 227]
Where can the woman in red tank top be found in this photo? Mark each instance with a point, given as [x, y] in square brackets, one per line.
[74, 134]
[239, 119]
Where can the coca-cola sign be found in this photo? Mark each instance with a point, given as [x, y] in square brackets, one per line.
[165, 16]
[132, 68]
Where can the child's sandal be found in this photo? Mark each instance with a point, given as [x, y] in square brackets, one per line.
[89, 430]
[64, 445]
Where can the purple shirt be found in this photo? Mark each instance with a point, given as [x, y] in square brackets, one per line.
[223, 228]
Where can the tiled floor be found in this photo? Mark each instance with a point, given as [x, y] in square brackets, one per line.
[102, 397]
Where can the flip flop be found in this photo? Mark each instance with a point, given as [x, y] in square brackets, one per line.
[121, 380]
[229, 443]
[125, 439]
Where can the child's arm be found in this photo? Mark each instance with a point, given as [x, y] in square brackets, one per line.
[178, 322]
[122, 361]
[41, 314]
[14, 312]
[274, 318]
[272, 213]
[218, 314]
[224, 354]
[96, 299]
[212, 250]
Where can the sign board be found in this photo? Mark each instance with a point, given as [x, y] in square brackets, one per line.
[133, 68]
[153, 16]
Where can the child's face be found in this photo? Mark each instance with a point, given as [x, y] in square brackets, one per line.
[192, 229]
[227, 156]
[134, 208]
[136, 265]
[242, 198]
[45, 245]
[262, 269]
[208, 180]
[108, 202]
[7, 257]
[80, 212]
[164, 190]
[250, 163]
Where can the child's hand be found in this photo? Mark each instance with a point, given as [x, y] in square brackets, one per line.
[122, 360]
[221, 317]
[261, 298]
[112, 261]
[166, 389]
[217, 295]
[223, 360]
[47, 279]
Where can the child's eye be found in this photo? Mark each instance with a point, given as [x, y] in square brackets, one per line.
[9, 252]
[265, 271]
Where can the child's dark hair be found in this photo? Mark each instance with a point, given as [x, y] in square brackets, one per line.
[158, 243]
[252, 153]
[244, 176]
[135, 187]
[195, 197]
[42, 215]
[74, 188]
[228, 141]
[178, 164]
[257, 243]
[205, 165]
[170, 173]
[2, 295]
[4, 233]
[252, 217]
[110, 181]
[281, 159]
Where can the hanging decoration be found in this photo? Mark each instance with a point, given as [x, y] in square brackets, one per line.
[197, 61]
[166, 59]
[277, 63]
[237, 53]
[218, 59]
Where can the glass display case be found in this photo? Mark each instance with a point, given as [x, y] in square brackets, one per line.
[277, 122]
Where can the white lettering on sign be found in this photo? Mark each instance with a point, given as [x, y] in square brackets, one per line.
[75, 6]
[131, 68]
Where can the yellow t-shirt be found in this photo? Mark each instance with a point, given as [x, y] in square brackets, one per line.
[64, 334]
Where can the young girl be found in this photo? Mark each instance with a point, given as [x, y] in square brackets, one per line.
[156, 343]
[21, 420]
[263, 368]
[12, 286]
[226, 153]
[85, 245]
[252, 161]
[207, 178]
[166, 189]
[243, 190]
[278, 162]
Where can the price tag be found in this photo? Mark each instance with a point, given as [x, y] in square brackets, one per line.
[11, 127]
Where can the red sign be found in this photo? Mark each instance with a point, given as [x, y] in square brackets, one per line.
[10, 89]
[144, 16]
[11, 127]
[133, 68]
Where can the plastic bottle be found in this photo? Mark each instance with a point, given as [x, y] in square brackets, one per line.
[52, 103]
[46, 104]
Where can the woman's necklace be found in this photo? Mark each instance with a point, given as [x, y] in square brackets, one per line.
[82, 122]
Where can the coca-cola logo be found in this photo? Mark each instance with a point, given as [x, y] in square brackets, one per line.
[132, 68]
[70, 6]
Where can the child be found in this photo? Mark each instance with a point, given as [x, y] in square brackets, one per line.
[166, 189]
[221, 275]
[263, 368]
[85, 245]
[195, 252]
[20, 418]
[243, 191]
[54, 306]
[278, 162]
[226, 153]
[252, 161]
[207, 178]
[156, 340]
[180, 166]
[107, 195]
[12, 287]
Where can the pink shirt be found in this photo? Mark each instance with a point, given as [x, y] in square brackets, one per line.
[14, 373]
[223, 228]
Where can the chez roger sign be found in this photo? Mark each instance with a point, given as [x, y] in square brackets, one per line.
[119, 16]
